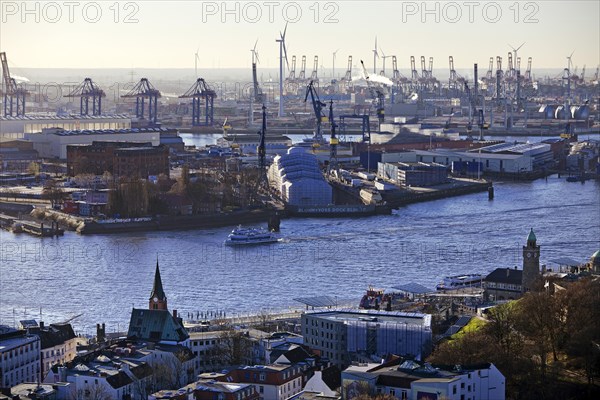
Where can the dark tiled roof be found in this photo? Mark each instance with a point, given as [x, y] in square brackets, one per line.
[54, 334]
[296, 355]
[142, 371]
[118, 380]
[332, 376]
[395, 381]
[155, 325]
[505, 275]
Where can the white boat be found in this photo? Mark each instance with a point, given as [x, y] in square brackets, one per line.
[460, 281]
[248, 236]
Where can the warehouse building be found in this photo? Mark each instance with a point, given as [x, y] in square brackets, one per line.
[413, 173]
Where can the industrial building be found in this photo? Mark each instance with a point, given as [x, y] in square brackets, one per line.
[347, 335]
[53, 142]
[118, 158]
[413, 174]
[16, 127]
[498, 158]
[297, 177]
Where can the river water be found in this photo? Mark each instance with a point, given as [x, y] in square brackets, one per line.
[103, 277]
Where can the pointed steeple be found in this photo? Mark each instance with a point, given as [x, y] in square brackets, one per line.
[158, 299]
[531, 239]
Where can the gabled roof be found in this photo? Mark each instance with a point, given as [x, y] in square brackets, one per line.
[119, 380]
[155, 326]
[54, 334]
[505, 275]
[332, 377]
[296, 355]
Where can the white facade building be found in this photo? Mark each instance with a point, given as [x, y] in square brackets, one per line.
[19, 357]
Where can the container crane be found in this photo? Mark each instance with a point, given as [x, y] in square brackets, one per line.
[261, 149]
[141, 91]
[377, 96]
[14, 97]
[317, 108]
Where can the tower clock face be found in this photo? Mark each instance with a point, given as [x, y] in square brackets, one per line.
[155, 299]
[529, 255]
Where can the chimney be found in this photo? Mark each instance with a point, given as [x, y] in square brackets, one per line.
[174, 313]
[507, 271]
[41, 324]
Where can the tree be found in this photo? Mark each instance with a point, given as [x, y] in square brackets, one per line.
[53, 192]
[34, 168]
[92, 392]
[232, 348]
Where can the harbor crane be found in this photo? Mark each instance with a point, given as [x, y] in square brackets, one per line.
[198, 92]
[317, 108]
[85, 91]
[141, 91]
[314, 75]
[472, 109]
[377, 96]
[348, 77]
[302, 76]
[292, 75]
[14, 96]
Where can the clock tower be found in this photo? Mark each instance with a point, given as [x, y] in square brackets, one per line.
[531, 262]
[158, 299]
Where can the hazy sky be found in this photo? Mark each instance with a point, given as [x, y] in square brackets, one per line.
[166, 34]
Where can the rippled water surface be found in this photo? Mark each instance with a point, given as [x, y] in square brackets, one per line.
[103, 277]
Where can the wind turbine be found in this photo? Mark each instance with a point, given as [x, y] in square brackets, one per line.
[569, 63]
[196, 58]
[282, 54]
[255, 59]
[333, 71]
[515, 50]
[375, 57]
[383, 57]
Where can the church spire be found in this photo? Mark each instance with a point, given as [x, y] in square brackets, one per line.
[158, 299]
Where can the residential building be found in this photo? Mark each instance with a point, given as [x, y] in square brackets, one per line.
[272, 382]
[209, 390]
[347, 335]
[58, 344]
[19, 357]
[326, 382]
[412, 380]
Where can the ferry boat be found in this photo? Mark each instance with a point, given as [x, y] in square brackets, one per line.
[249, 236]
[460, 281]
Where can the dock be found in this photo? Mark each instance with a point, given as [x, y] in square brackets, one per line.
[16, 225]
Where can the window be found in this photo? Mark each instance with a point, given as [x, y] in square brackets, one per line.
[261, 389]
[454, 389]
[262, 376]
[404, 395]
[392, 392]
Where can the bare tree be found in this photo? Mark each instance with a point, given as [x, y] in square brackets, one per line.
[232, 348]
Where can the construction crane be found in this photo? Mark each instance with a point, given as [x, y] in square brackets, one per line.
[258, 94]
[85, 91]
[376, 95]
[317, 108]
[261, 149]
[472, 109]
[414, 77]
[141, 91]
[333, 142]
[14, 96]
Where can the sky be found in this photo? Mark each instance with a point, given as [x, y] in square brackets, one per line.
[167, 34]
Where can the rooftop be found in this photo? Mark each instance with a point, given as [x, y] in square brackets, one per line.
[61, 132]
[372, 316]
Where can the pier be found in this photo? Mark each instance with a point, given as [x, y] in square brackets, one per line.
[16, 225]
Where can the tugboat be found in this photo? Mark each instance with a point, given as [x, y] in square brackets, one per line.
[249, 236]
